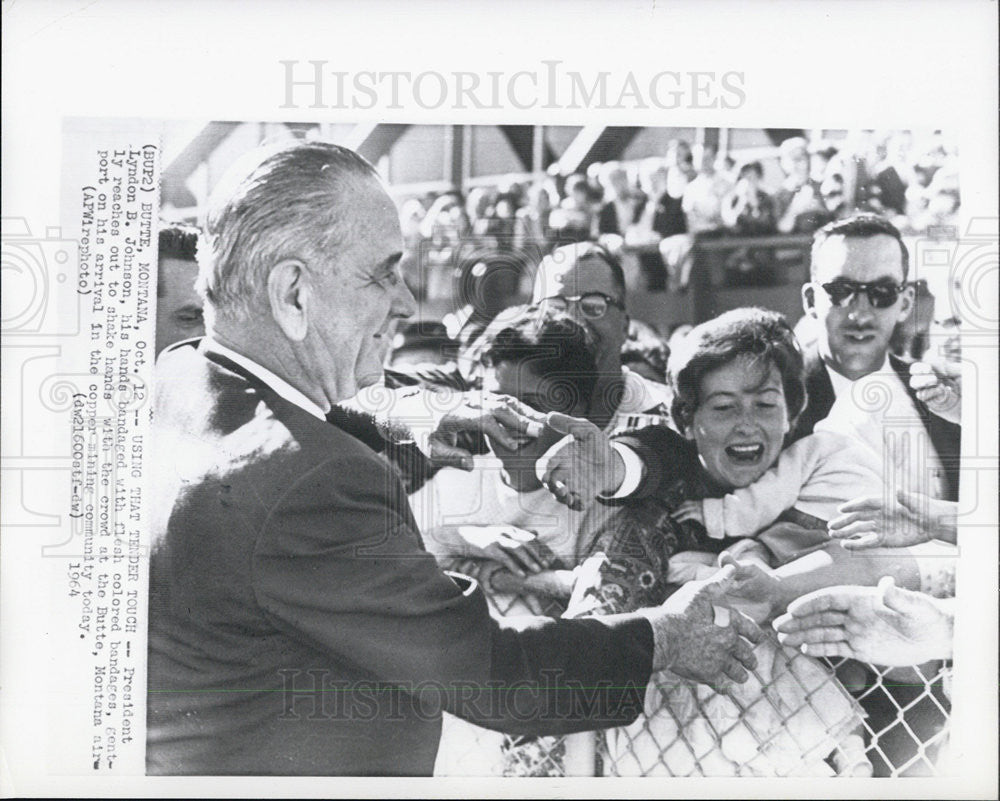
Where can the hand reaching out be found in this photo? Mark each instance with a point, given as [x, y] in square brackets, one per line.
[503, 418]
[884, 625]
[515, 549]
[874, 521]
[584, 468]
[755, 590]
[695, 644]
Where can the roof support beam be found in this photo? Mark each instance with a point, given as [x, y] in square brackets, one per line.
[596, 143]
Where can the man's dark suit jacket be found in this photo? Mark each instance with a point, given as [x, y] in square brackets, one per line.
[294, 613]
[945, 437]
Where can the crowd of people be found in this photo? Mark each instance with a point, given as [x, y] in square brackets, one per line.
[658, 207]
[680, 520]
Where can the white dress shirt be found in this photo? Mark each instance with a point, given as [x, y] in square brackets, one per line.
[877, 410]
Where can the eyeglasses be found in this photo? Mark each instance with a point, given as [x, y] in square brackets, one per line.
[881, 294]
[594, 305]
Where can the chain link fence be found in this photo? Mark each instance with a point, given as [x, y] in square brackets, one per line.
[795, 716]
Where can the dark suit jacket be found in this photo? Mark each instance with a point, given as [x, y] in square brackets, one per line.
[298, 626]
[945, 437]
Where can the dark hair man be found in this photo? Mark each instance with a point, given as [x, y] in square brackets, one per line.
[178, 307]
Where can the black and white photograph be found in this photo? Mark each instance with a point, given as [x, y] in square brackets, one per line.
[422, 429]
[693, 379]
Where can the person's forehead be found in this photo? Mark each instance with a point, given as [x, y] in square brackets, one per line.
[374, 219]
[571, 276]
[745, 375]
[859, 258]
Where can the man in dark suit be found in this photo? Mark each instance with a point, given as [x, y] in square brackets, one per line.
[296, 623]
[857, 294]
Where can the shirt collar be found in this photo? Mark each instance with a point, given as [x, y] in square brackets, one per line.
[842, 384]
[279, 385]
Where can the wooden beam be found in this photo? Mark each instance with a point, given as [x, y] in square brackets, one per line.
[596, 143]
[373, 140]
[198, 148]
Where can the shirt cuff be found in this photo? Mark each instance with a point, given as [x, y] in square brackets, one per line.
[634, 471]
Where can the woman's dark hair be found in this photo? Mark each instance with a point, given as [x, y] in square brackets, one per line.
[763, 334]
[555, 347]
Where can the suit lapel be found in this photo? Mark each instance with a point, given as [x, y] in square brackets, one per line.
[945, 437]
[819, 395]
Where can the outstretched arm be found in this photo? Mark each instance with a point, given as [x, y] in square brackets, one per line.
[764, 595]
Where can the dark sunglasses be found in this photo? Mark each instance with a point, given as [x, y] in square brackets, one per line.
[593, 305]
[881, 294]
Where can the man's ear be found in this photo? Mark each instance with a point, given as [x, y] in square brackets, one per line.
[288, 297]
[809, 298]
[906, 304]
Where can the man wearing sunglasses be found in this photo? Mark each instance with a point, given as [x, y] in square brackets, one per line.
[857, 294]
[586, 282]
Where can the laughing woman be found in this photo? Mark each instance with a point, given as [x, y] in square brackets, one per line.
[738, 382]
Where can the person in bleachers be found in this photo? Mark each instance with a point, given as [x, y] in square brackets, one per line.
[797, 203]
[821, 154]
[702, 199]
[573, 220]
[531, 227]
[748, 210]
[621, 207]
[680, 167]
[661, 216]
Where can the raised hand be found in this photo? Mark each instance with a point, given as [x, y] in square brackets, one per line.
[504, 419]
[585, 467]
[939, 385]
[884, 625]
